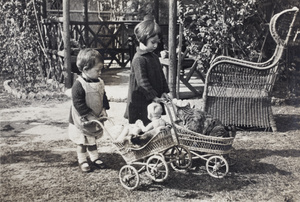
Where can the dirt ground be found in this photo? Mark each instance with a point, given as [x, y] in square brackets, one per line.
[38, 161]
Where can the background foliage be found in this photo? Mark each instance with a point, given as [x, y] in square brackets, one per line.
[222, 27]
[20, 52]
[237, 28]
[233, 28]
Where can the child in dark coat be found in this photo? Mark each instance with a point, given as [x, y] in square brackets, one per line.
[147, 81]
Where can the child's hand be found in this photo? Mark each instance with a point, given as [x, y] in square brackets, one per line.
[90, 117]
[85, 120]
[158, 100]
[103, 113]
[170, 96]
[139, 123]
[167, 96]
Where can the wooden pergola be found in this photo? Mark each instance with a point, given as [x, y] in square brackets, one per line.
[171, 41]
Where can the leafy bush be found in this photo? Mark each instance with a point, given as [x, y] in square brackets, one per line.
[218, 28]
[20, 53]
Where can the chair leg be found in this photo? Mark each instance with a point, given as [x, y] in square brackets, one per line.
[273, 123]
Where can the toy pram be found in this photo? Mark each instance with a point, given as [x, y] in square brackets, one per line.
[152, 158]
[216, 151]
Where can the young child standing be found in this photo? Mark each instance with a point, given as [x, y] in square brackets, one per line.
[147, 81]
[89, 102]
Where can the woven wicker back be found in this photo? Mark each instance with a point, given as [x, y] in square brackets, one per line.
[226, 78]
[281, 26]
[238, 92]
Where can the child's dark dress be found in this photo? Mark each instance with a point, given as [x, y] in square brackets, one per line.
[147, 81]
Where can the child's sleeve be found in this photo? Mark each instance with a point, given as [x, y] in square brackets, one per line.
[142, 79]
[165, 84]
[105, 102]
[78, 98]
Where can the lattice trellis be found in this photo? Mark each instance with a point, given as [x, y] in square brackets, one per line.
[109, 38]
[55, 4]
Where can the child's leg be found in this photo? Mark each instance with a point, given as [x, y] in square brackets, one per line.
[94, 156]
[93, 153]
[81, 155]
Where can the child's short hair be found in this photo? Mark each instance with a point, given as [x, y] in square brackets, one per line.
[86, 58]
[145, 30]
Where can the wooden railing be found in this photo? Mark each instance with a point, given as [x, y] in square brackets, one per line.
[111, 39]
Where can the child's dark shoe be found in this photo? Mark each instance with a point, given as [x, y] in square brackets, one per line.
[84, 166]
[99, 164]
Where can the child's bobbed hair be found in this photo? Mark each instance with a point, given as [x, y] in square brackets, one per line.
[145, 30]
[86, 58]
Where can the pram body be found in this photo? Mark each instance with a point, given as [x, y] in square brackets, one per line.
[216, 151]
[152, 158]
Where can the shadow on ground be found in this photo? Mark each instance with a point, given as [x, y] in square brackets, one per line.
[287, 122]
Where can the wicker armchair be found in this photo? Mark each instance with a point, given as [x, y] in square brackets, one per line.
[237, 91]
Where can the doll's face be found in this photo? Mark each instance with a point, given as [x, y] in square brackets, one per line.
[154, 111]
[151, 44]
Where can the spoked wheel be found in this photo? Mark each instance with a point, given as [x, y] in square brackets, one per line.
[180, 157]
[157, 168]
[217, 166]
[129, 177]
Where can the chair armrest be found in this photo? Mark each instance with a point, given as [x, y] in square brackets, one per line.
[235, 79]
[262, 64]
[231, 59]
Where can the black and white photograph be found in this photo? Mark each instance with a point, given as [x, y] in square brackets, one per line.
[150, 100]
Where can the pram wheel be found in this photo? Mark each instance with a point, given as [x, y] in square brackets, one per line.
[157, 168]
[180, 157]
[217, 166]
[129, 177]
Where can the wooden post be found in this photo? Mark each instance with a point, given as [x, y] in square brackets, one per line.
[179, 61]
[86, 22]
[44, 9]
[172, 46]
[66, 39]
[156, 11]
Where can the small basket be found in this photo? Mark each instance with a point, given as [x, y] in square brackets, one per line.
[203, 143]
[160, 142]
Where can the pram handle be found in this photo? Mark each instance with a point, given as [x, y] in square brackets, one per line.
[169, 104]
[98, 121]
[103, 118]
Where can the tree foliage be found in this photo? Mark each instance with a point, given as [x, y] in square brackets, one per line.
[236, 28]
[218, 27]
[20, 52]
